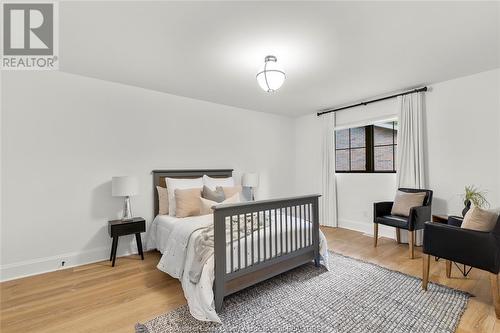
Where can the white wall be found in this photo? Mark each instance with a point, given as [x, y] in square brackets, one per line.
[463, 139]
[355, 192]
[64, 137]
[462, 142]
[308, 147]
[367, 115]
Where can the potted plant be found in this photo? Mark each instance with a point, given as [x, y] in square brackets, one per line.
[474, 196]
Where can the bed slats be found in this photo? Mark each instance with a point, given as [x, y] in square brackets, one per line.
[261, 235]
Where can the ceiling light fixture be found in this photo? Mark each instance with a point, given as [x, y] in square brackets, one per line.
[271, 77]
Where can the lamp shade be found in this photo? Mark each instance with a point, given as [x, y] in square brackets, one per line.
[271, 77]
[250, 180]
[124, 186]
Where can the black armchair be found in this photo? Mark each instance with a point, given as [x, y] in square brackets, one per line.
[469, 247]
[415, 221]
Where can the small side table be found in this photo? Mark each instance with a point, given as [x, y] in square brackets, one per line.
[448, 219]
[440, 218]
[117, 228]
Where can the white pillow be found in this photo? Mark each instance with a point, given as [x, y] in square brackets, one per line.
[206, 205]
[212, 183]
[182, 184]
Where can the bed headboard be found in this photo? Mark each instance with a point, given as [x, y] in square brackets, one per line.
[159, 178]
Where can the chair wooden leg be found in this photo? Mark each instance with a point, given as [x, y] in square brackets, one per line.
[398, 235]
[425, 270]
[411, 242]
[448, 268]
[375, 234]
[495, 291]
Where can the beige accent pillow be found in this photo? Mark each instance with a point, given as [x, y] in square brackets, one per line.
[231, 190]
[187, 202]
[404, 201]
[183, 184]
[162, 200]
[479, 219]
[206, 205]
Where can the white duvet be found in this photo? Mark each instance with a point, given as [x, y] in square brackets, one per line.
[175, 238]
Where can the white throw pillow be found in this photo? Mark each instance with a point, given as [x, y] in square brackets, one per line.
[206, 205]
[181, 184]
[212, 183]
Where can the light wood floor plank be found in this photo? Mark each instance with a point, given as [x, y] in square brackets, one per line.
[99, 298]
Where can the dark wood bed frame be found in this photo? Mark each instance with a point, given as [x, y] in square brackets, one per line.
[290, 211]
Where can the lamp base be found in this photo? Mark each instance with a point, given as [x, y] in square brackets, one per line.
[127, 210]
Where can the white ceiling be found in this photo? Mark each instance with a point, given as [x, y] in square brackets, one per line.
[332, 52]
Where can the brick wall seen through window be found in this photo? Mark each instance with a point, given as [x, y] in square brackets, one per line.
[367, 149]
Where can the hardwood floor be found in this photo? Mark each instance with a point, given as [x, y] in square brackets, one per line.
[99, 298]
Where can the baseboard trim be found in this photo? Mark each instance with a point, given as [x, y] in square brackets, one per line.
[53, 263]
[367, 228]
[383, 231]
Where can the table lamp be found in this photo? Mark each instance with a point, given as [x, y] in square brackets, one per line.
[250, 180]
[125, 186]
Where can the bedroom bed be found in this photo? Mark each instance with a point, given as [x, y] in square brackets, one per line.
[252, 241]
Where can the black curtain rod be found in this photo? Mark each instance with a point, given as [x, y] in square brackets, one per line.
[373, 101]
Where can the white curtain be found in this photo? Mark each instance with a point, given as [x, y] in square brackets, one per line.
[328, 200]
[410, 150]
[410, 163]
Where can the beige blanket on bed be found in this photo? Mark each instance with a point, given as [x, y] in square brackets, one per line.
[204, 243]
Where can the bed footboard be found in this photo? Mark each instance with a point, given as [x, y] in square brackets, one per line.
[267, 238]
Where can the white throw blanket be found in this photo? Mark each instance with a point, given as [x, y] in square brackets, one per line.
[174, 255]
[204, 243]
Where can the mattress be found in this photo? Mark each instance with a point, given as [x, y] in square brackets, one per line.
[160, 230]
[288, 233]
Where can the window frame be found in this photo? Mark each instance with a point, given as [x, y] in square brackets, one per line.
[369, 150]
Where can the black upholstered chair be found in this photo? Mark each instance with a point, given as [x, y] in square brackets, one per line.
[415, 221]
[469, 247]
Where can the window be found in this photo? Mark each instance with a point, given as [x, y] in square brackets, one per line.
[384, 146]
[350, 154]
[367, 149]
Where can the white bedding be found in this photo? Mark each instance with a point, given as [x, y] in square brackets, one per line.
[175, 239]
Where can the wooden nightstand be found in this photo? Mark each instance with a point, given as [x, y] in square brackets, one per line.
[448, 219]
[117, 228]
[440, 218]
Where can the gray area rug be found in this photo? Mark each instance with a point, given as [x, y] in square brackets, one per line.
[354, 296]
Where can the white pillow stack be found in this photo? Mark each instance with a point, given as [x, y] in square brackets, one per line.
[212, 183]
[190, 183]
[181, 184]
